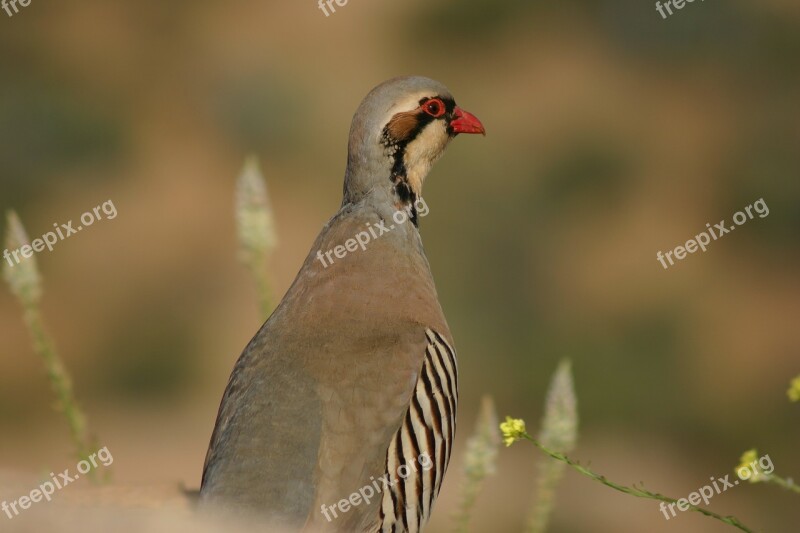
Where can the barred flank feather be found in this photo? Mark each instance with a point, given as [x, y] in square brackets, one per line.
[420, 451]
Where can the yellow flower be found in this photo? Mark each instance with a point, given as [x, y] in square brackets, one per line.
[794, 390]
[748, 465]
[513, 430]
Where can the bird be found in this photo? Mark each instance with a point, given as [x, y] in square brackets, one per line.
[340, 413]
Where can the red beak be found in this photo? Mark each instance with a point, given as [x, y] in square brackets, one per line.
[464, 122]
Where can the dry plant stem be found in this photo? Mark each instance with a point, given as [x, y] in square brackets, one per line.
[60, 383]
[560, 432]
[258, 270]
[479, 462]
[26, 284]
[547, 482]
[255, 229]
[634, 491]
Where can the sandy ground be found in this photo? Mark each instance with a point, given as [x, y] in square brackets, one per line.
[123, 509]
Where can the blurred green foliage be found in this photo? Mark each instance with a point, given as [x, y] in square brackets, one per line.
[45, 130]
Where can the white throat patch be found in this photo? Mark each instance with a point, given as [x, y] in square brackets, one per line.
[422, 153]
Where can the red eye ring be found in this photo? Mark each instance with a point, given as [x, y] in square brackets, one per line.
[434, 107]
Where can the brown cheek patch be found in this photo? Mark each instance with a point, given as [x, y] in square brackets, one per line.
[402, 125]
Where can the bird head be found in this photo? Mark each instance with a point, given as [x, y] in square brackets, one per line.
[400, 129]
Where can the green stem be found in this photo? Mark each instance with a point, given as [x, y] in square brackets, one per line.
[468, 497]
[634, 491]
[60, 383]
[258, 269]
[783, 483]
[479, 462]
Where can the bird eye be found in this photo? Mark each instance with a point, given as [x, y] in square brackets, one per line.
[434, 107]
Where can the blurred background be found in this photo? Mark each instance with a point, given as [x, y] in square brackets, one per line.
[612, 134]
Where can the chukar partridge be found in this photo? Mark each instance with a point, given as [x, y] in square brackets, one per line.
[340, 413]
